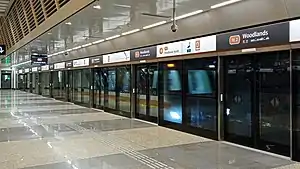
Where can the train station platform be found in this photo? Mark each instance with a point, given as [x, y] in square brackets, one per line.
[42, 133]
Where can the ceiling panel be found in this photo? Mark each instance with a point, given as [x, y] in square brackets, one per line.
[106, 18]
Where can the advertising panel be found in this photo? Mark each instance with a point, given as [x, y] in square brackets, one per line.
[45, 67]
[34, 69]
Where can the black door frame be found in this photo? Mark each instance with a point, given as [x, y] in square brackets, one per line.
[135, 77]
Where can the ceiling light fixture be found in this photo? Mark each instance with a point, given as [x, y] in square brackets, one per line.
[68, 23]
[113, 37]
[122, 6]
[154, 25]
[49, 33]
[188, 14]
[130, 32]
[86, 45]
[98, 41]
[69, 50]
[78, 47]
[224, 3]
[97, 7]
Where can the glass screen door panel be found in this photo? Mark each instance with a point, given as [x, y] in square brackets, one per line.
[141, 91]
[97, 88]
[257, 103]
[77, 86]
[123, 88]
[238, 102]
[70, 85]
[146, 92]
[45, 84]
[296, 105]
[274, 102]
[111, 81]
[85, 85]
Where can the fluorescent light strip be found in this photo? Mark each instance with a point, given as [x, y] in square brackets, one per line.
[21, 63]
[98, 41]
[188, 14]
[69, 50]
[86, 45]
[224, 3]
[154, 25]
[78, 47]
[130, 32]
[113, 37]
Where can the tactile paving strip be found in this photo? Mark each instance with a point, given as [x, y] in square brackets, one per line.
[292, 166]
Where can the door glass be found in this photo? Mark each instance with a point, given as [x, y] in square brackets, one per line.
[141, 90]
[70, 85]
[77, 86]
[123, 88]
[86, 85]
[172, 92]
[111, 81]
[274, 99]
[296, 107]
[153, 90]
[239, 84]
[201, 102]
[97, 87]
[45, 83]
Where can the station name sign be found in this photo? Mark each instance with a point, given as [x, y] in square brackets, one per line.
[144, 53]
[39, 59]
[269, 35]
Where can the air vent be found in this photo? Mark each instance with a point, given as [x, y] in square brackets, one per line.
[24, 16]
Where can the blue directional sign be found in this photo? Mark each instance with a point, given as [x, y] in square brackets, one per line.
[2, 50]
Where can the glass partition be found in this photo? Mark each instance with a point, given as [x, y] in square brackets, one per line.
[45, 83]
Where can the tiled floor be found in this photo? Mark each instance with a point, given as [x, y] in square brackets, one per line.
[42, 133]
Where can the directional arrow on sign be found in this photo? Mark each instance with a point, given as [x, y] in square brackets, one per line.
[1, 50]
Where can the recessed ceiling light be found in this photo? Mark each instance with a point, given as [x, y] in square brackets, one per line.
[68, 23]
[98, 41]
[97, 7]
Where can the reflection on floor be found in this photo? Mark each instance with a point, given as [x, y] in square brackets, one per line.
[42, 133]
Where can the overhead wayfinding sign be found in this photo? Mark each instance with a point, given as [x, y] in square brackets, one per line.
[116, 57]
[144, 53]
[2, 50]
[81, 62]
[269, 35]
[192, 46]
[39, 59]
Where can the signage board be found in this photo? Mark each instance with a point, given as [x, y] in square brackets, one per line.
[81, 62]
[39, 68]
[27, 70]
[39, 59]
[170, 49]
[45, 68]
[60, 65]
[2, 50]
[20, 71]
[34, 69]
[143, 53]
[51, 67]
[96, 60]
[269, 35]
[191, 46]
[116, 57]
[69, 64]
[294, 30]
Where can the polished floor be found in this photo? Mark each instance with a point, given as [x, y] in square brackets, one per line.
[42, 133]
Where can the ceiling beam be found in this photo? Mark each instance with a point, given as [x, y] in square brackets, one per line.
[11, 2]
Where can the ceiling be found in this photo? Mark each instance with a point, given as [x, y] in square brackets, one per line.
[3, 6]
[106, 18]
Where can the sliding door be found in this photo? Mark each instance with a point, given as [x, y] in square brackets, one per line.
[257, 102]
